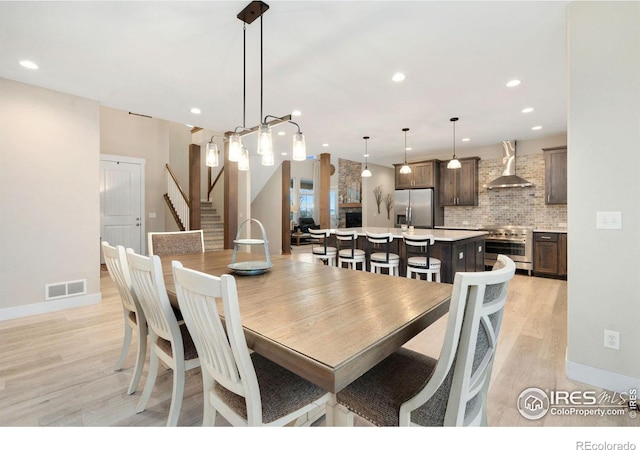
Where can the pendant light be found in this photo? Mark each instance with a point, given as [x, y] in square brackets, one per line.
[212, 158]
[454, 163]
[299, 147]
[405, 169]
[243, 160]
[366, 173]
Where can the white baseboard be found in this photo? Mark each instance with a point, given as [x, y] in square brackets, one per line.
[49, 306]
[600, 378]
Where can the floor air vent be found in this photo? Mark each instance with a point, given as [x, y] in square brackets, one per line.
[67, 289]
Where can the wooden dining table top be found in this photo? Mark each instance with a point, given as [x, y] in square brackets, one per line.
[326, 324]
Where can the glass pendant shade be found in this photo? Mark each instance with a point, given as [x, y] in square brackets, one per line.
[267, 157]
[243, 161]
[366, 173]
[212, 158]
[235, 147]
[299, 147]
[405, 169]
[264, 139]
[454, 164]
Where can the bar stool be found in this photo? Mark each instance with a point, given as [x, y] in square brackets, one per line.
[319, 248]
[382, 259]
[347, 251]
[419, 260]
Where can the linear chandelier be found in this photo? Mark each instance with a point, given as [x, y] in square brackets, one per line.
[237, 151]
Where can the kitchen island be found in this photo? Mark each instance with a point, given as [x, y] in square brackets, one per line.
[459, 250]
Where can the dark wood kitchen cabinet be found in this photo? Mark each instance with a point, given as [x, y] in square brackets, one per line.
[555, 180]
[459, 187]
[550, 254]
[422, 175]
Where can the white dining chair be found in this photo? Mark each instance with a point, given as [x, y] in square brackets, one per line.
[165, 243]
[320, 248]
[380, 254]
[134, 320]
[419, 259]
[246, 388]
[409, 388]
[347, 252]
[169, 341]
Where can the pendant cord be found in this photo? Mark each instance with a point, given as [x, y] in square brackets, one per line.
[244, 76]
[260, 69]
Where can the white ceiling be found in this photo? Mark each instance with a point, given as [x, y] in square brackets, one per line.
[331, 60]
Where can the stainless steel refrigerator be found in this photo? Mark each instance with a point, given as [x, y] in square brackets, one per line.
[414, 207]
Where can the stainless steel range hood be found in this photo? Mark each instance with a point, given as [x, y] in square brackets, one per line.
[509, 179]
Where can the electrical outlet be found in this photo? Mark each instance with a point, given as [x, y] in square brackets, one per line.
[612, 339]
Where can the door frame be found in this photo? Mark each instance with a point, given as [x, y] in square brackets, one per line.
[141, 162]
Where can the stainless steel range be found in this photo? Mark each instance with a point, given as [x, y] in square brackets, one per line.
[514, 242]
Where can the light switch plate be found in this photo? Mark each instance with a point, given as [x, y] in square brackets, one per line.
[609, 220]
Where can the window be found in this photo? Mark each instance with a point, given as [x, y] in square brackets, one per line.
[306, 198]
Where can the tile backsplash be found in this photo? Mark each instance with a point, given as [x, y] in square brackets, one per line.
[509, 206]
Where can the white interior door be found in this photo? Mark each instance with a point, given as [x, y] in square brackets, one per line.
[122, 202]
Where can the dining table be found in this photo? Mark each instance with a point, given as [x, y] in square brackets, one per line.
[326, 324]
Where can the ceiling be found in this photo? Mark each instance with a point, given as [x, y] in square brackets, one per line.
[333, 61]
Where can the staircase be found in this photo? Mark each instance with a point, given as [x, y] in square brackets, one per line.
[212, 227]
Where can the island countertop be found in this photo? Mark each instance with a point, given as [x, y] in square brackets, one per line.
[438, 234]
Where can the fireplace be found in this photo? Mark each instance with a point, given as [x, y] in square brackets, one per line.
[353, 219]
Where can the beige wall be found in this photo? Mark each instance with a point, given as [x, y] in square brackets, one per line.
[158, 142]
[386, 178]
[49, 192]
[603, 164]
[267, 208]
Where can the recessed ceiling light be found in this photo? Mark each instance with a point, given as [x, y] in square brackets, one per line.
[409, 148]
[366, 155]
[195, 111]
[281, 133]
[398, 76]
[325, 145]
[537, 127]
[465, 139]
[296, 113]
[284, 153]
[527, 110]
[513, 83]
[28, 64]
[188, 125]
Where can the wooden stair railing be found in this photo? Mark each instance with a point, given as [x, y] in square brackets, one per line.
[177, 200]
[212, 185]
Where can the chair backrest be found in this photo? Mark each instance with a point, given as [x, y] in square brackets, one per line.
[222, 349]
[460, 381]
[321, 237]
[347, 240]
[175, 242]
[418, 245]
[148, 284]
[379, 241]
[116, 260]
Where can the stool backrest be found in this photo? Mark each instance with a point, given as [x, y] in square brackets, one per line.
[418, 246]
[379, 241]
[347, 240]
[321, 237]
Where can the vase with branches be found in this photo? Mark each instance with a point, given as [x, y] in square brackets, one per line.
[377, 193]
[388, 200]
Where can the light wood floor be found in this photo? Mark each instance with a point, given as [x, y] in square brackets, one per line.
[56, 369]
